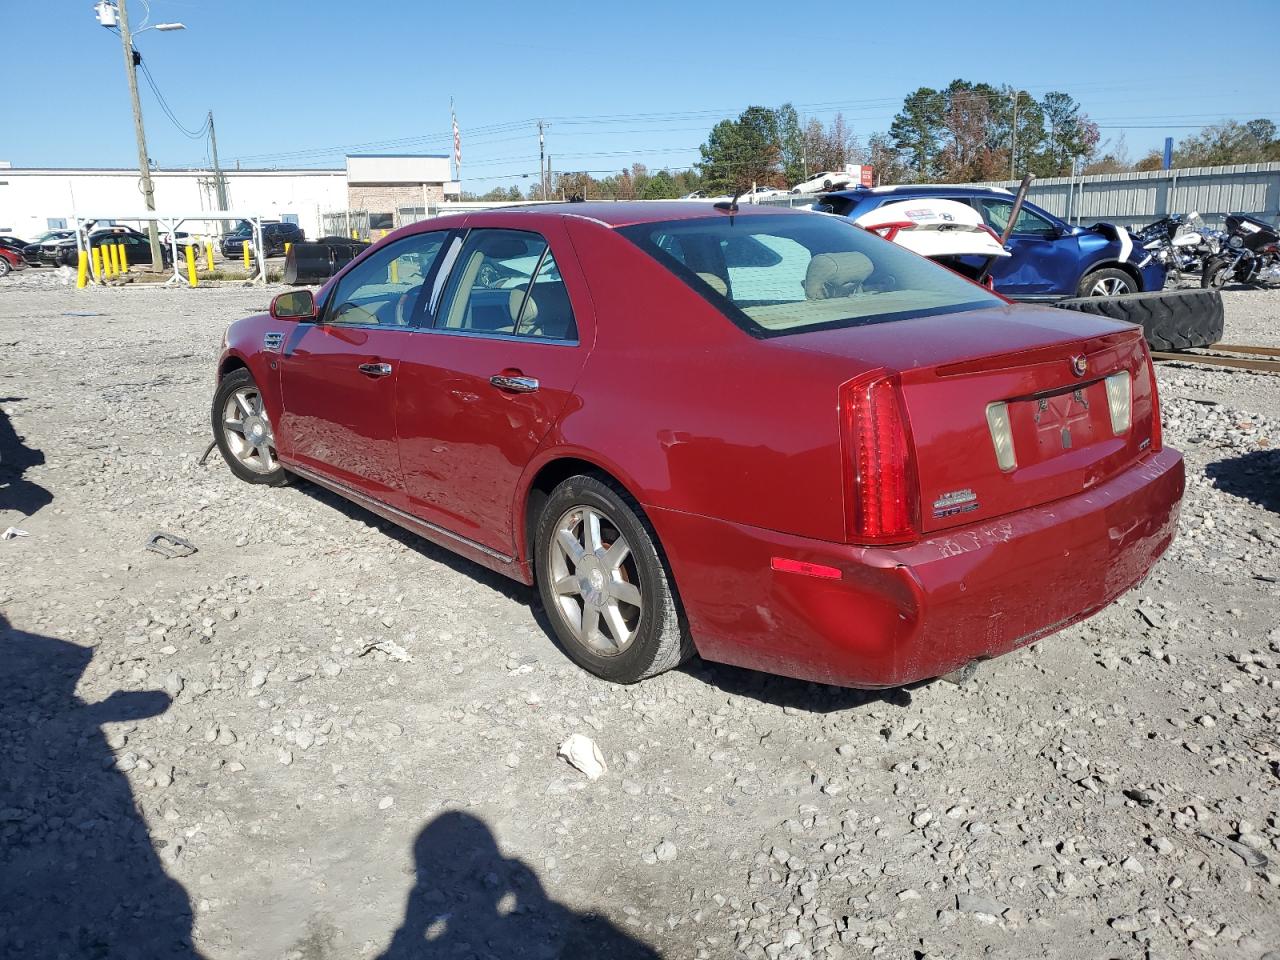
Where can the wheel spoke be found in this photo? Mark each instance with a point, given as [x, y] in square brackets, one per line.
[625, 592]
[264, 452]
[567, 586]
[617, 553]
[591, 626]
[245, 406]
[236, 425]
[591, 531]
[617, 625]
[569, 546]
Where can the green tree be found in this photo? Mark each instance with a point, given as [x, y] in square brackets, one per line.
[791, 143]
[917, 132]
[740, 152]
[660, 186]
[1071, 136]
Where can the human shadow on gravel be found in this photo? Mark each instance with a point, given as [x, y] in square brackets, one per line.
[472, 901]
[79, 877]
[1254, 476]
[15, 459]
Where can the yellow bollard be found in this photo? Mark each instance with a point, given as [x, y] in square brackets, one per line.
[355, 235]
[244, 248]
[82, 270]
[191, 266]
[208, 250]
[395, 271]
[108, 267]
[97, 264]
[115, 259]
[287, 247]
[124, 259]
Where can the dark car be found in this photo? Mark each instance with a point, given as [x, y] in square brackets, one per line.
[274, 237]
[770, 437]
[62, 253]
[1051, 258]
[13, 243]
[32, 251]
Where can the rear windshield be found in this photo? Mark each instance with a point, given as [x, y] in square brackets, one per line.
[776, 275]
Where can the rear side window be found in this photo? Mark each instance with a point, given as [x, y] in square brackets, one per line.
[506, 283]
[777, 275]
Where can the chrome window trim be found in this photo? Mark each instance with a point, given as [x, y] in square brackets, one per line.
[442, 274]
[514, 338]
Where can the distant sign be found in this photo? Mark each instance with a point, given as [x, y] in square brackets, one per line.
[862, 173]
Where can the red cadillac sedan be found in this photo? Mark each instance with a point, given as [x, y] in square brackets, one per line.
[767, 437]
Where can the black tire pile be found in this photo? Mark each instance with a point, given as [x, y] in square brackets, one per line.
[1172, 320]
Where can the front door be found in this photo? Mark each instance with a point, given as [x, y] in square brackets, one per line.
[488, 376]
[1043, 261]
[339, 376]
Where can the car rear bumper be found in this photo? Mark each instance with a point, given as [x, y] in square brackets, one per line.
[896, 615]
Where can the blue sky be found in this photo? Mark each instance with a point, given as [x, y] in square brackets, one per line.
[301, 82]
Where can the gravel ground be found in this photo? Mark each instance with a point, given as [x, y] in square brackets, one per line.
[320, 737]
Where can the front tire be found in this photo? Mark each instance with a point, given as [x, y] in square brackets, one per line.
[1108, 282]
[604, 584]
[1217, 273]
[243, 431]
[4, 267]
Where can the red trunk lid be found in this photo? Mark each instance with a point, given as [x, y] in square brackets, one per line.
[954, 367]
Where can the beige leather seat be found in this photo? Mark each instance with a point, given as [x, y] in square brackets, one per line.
[833, 275]
[715, 283]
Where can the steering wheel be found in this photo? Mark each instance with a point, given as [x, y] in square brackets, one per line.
[488, 275]
[405, 305]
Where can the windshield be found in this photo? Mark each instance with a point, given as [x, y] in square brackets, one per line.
[776, 275]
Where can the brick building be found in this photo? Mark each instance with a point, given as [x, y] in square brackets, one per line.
[397, 188]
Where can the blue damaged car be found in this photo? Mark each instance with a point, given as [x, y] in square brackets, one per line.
[1050, 259]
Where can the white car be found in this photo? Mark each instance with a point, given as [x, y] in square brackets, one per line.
[760, 193]
[827, 180]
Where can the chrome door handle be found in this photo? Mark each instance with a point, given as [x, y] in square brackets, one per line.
[515, 384]
[376, 369]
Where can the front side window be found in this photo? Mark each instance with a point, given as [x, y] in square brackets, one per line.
[385, 288]
[775, 275]
[506, 283]
[997, 212]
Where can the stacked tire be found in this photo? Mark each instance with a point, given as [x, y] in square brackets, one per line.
[310, 263]
[1172, 320]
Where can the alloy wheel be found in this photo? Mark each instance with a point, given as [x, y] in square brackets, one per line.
[248, 431]
[1109, 287]
[595, 580]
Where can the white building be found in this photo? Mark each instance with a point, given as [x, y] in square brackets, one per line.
[33, 200]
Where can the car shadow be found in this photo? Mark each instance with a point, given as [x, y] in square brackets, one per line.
[803, 695]
[765, 687]
[17, 493]
[469, 900]
[1253, 476]
[79, 874]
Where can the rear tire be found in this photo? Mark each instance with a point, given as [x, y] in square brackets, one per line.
[614, 609]
[243, 432]
[1107, 282]
[4, 267]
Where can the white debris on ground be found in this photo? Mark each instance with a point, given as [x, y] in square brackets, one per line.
[281, 737]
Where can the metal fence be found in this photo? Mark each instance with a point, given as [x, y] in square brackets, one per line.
[1136, 199]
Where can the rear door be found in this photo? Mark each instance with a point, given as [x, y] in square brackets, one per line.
[1044, 262]
[338, 377]
[489, 374]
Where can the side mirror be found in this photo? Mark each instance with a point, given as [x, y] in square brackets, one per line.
[294, 305]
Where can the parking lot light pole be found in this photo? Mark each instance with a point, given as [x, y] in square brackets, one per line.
[131, 73]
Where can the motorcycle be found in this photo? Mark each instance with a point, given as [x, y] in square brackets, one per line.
[1179, 243]
[1250, 255]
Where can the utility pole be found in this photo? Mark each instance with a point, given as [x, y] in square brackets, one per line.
[542, 161]
[144, 163]
[1013, 142]
[219, 183]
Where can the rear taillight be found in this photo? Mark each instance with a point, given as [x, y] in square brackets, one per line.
[891, 230]
[880, 482]
[1120, 401]
[1157, 431]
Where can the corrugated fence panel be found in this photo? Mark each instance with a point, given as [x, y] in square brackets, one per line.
[1136, 199]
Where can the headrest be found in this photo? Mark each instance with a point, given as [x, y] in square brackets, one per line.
[715, 283]
[836, 275]
[514, 302]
